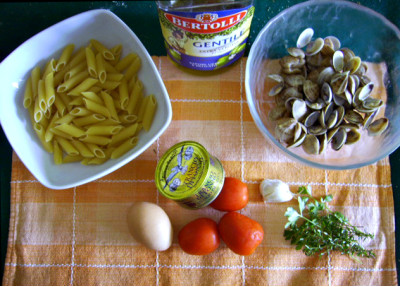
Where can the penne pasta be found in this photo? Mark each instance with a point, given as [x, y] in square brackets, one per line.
[91, 62]
[135, 98]
[88, 106]
[38, 128]
[67, 146]
[82, 148]
[28, 94]
[98, 140]
[123, 94]
[88, 120]
[57, 153]
[35, 75]
[124, 134]
[84, 86]
[124, 147]
[101, 130]
[60, 106]
[101, 70]
[96, 108]
[102, 50]
[109, 103]
[125, 62]
[93, 97]
[150, 110]
[49, 89]
[96, 150]
[71, 130]
[42, 96]
[65, 57]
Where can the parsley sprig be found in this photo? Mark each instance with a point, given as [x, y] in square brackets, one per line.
[318, 230]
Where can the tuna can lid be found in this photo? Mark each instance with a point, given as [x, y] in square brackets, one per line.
[182, 170]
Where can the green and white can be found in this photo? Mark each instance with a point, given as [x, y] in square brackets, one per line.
[189, 175]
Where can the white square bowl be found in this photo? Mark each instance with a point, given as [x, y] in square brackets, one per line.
[101, 25]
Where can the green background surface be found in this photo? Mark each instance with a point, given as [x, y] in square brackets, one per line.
[20, 21]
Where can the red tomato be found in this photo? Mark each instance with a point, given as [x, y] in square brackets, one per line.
[233, 196]
[240, 233]
[199, 237]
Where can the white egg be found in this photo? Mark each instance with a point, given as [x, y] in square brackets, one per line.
[150, 225]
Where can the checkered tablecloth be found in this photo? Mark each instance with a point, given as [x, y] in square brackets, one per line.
[79, 236]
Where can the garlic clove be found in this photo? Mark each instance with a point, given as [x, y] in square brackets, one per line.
[275, 190]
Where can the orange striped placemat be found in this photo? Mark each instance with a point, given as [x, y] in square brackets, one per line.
[79, 236]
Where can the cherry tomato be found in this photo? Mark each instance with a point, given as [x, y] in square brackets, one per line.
[233, 196]
[199, 237]
[240, 233]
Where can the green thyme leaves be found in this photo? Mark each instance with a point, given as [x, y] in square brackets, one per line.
[317, 230]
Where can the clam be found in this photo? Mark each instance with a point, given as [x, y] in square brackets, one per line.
[338, 61]
[296, 52]
[311, 90]
[311, 144]
[299, 109]
[326, 93]
[378, 127]
[315, 47]
[353, 117]
[305, 38]
[277, 113]
[276, 90]
[352, 137]
[339, 139]
[311, 119]
[339, 82]
[325, 75]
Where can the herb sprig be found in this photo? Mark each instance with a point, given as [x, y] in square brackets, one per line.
[318, 230]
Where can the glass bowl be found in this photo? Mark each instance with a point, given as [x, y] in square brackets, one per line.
[369, 35]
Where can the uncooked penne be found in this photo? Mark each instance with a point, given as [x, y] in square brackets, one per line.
[91, 62]
[67, 146]
[71, 130]
[82, 87]
[82, 148]
[103, 50]
[123, 94]
[65, 57]
[149, 112]
[89, 106]
[88, 120]
[28, 94]
[96, 108]
[49, 89]
[109, 103]
[57, 153]
[124, 147]
[100, 130]
[101, 70]
[124, 134]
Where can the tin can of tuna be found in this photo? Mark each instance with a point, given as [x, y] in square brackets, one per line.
[189, 175]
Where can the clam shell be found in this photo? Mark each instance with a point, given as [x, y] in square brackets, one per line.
[378, 127]
[305, 38]
[315, 47]
[311, 119]
[311, 144]
[276, 90]
[311, 90]
[296, 52]
[338, 61]
[299, 109]
[339, 139]
[326, 93]
[339, 82]
[352, 137]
